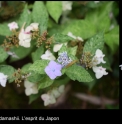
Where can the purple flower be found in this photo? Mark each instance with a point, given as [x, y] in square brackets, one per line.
[53, 69]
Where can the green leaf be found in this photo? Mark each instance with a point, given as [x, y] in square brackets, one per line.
[78, 73]
[94, 43]
[61, 38]
[73, 50]
[40, 15]
[35, 77]
[55, 9]
[112, 39]
[100, 17]
[39, 66]
[4, 29]
[24, 17]
[3, 54]
[25, 68]
[81, 28]
[37, 54]
[45, 82]
[8, 70]
[21, 52]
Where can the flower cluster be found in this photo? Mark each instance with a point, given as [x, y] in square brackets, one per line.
[63, 59]
[97, 59]
[51, 96]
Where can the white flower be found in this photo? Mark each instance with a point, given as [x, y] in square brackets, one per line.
[48, 99]
[66, 5]
[48, 56]
[57, 47]
[79, 38]
[24, 38]
[3, 79]
[13, 25]
[30, 88]
[32, 27]
[12, 54]
[120, 67]
[99, 71]
[71, 35]
[98, 58]
[55, 93]
[61, 88]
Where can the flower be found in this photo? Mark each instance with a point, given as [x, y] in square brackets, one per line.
[3, 79]
[99, 71]
[57, 47]
[98, 58]
[30, 88]
[32, 27]
[120, 67]
[66, 5]
[71, 35]
[64, 59]
[48, 56]
[53, 69]
[24, 38]
[48, 99]
[12, 54]
[13, 25]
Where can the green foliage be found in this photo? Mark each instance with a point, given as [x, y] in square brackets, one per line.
[78, 73]
[24, 17]
[45, 82]
[37, 54]
[3, 54]
[55, 9]
[39, 66]
[40, 15]
[80, 28]
[35, 77]
[9, 71]
[73, 50]
[25, 68]
[21, 52]
[94, 43]
[61, 38]
[112, 39]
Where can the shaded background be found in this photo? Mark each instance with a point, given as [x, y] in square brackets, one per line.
[103, 95]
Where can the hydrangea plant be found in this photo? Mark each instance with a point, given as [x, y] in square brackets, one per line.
[74, 53]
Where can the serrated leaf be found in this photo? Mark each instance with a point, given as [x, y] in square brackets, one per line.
[61, 38]
[40, 15]
[55, 9]
[37, 54]
[112, 39]
[78, 73]
[8, 70]
[35, 77]
[94, 43]
[24, 17]
[3, 54]
[25, 68]
[81, 28]
[39, 66]
[45, 82]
